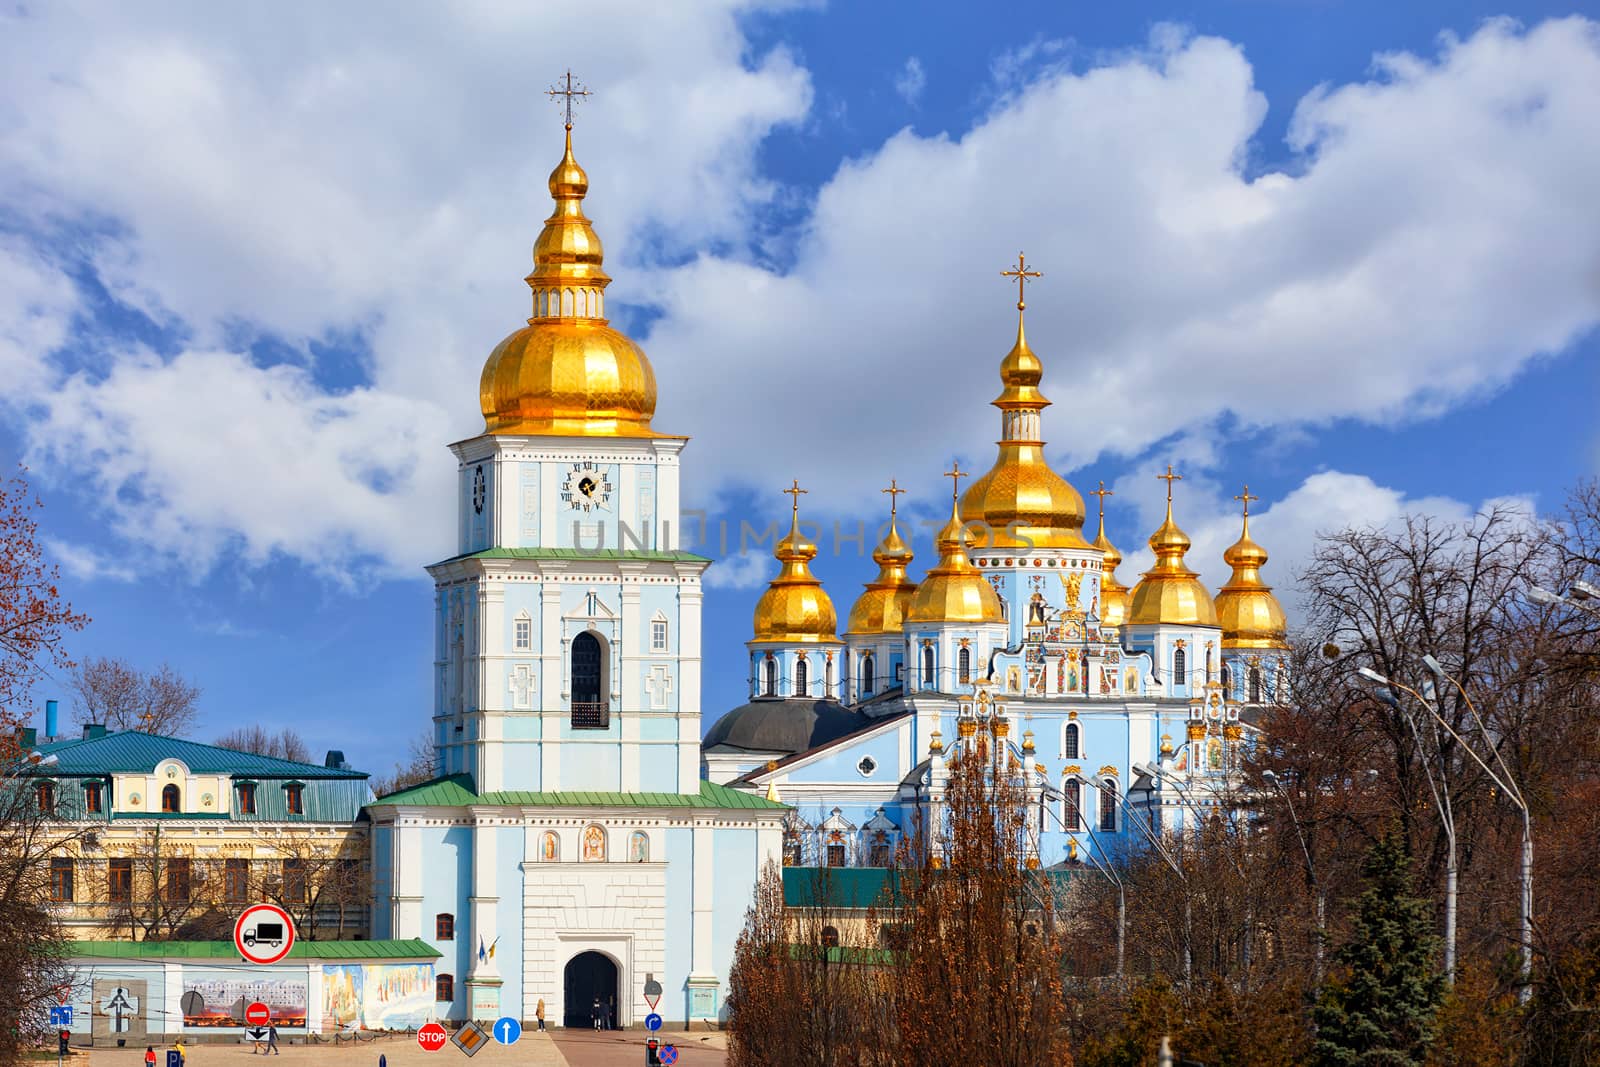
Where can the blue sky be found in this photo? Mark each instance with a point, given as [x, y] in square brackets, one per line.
[251, 260]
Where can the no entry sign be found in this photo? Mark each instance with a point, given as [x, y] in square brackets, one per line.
[257, 1014]
[263, 933]
[432, 1037]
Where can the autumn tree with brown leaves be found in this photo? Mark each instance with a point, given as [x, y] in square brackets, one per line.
[34, 617]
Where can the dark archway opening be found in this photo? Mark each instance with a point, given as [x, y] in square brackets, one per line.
[589, 977]
[590, 696]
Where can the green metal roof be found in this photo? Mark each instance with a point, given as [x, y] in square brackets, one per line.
[641, 555]
[224, 950]
[130, 751]
[838, 887]
[456, 790]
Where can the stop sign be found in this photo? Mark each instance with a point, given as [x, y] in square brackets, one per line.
[257, 1014]
[432, 1037]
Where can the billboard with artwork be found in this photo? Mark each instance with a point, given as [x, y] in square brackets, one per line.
[217, 996]
[376, 996]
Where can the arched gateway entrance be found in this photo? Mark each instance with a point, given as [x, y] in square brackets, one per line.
[588, 975]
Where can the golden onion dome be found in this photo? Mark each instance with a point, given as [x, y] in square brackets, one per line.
[954, 590]
[794, 608]
[567, 372]
[881, 609]
[1250, 615]
[1021, 501]
[1113, 594]
[1169, 592]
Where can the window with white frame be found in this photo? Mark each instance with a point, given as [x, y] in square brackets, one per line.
[1072, 804]
[658, 634]
[522, 632]
[1070, 742]
[1108, 806]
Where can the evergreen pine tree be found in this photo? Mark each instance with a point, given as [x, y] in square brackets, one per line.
[1380, 1011]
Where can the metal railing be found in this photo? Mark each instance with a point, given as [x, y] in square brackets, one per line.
[591, 715]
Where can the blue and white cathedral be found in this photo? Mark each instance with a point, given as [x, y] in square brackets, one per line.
[581, 839]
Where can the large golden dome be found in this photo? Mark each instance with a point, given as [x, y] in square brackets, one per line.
[1021, 501]
[1169, 592]
[1113, 594]
[795, 608]
[568, 372]
[954, 590]
[881, 609]
[1250, 615]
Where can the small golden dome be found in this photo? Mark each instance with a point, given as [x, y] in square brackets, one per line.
[1251, 616]
[795, 609]
[1113, 594]
[882, 607]
[1021, 501]
[954, 590]
[568, 372]
[1169, 592]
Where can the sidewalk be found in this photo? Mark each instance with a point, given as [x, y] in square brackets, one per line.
[534, 1050]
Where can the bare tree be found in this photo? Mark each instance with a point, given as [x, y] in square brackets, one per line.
[323, 882]
[285, 744]
[33, 616]
[159, 891]
[119, 695]
[416, 768]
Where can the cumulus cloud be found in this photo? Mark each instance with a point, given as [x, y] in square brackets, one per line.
[87, 563]
[741, 570]
[910, 81]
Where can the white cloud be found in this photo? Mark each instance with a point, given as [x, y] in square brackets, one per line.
[741, 570]
[910, 81]
[86, 563]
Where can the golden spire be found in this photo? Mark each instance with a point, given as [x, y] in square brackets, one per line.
[795, 608]
[954, 590]
[1113, 594]
[1021, 500]
[1250, 615]
[1169, 592]
[567, 372]
[881, 608]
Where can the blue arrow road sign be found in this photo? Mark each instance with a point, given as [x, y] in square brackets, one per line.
[61, 1016]
[507, 1030]
[668, 1055]
[652, 1021]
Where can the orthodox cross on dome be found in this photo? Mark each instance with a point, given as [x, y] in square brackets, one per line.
[1102, 493]
[795, 491]
[894, 492]
[1169, 478]
[572, 95]
[1246, 497]
[1022, 274]
[955, 474]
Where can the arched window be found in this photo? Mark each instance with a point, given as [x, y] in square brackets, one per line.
[964, 664]
[1071, 749]
[1180, 667]
[169, 799]
[444, 927]
[771, 679]
[827, 676]
[1072, 804]
[793, 849]
[1227, 678]
[1108, 806]
[868, 674]
[1255, 685]
[590, 707]
[444, 988]
[802, 683]
[830, 937]
[927, 665]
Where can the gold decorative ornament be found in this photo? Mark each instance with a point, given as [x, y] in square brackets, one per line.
[1169, 592]
[1027, 741]
[1108, 771]
[1232, 731]
[795, 608]
[954, 590]
[967, 727]
[1166, 744]
[1197, 731]
[1113, 594]
[1250, 615]
[1071, 768]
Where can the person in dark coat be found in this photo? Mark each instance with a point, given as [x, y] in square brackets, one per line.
[597, 1012]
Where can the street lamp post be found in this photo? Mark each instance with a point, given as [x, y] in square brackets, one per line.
[1581, 597]
[1318, 901]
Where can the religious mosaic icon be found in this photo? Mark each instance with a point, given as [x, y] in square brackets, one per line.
[587, 488]
[594, 844]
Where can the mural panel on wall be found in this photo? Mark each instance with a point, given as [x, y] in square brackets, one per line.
[376, 996]
[119, 1007]
[221, 994]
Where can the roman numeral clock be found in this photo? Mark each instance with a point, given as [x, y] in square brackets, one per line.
[586, 488]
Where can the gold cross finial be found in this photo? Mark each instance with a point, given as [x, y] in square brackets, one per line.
[955, 474]
[1169, 478]
[1246, 497]
[570, 93]
[1021, 274]
[795, 491]
[894, 492]
[1102, 493]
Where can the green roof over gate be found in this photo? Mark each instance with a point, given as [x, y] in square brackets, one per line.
[132, 751]
[413, 949]
[456, 790]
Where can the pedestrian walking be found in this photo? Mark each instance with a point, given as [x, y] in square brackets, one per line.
[272, 1039]
[258, 1040]
[611, 1013]
[183, 1053]
[538, 1013]
[596, 1012]
[150, 1055]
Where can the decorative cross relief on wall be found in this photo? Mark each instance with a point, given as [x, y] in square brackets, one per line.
[522, 686]
[659, 682]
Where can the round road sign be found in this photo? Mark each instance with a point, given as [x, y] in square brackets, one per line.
[652, 1021]
[432, 1037]
[263, 933]
[258, 1014]
[668, 1055]
[507, 1030]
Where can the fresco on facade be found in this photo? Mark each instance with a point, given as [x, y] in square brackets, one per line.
[119, 1006]
[223, 993]
[376, 996]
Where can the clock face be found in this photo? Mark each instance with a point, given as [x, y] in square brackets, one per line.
[477, 490]
[587, 488]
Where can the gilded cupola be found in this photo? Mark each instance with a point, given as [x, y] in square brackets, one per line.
[954, 590]
[795, 608]
[1250, 615]
[1113, 594]
[1169, 592]
[1021, 501]
[567, 372]
[881, 609]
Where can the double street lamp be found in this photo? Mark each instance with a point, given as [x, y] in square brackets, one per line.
[1581, 597]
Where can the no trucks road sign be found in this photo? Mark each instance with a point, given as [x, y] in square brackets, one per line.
[263, 934]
